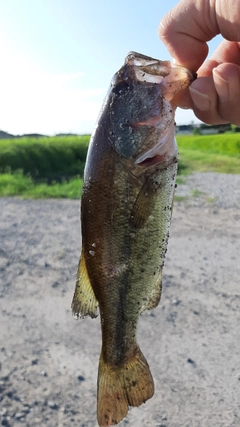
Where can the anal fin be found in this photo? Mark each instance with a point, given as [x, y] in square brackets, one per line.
[84, 301]
[154, 297]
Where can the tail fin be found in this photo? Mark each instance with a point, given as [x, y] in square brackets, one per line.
[131, 384]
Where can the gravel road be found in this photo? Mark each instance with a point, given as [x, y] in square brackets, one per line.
[49, 361]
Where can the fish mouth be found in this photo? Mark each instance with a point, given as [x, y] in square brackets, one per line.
[172, 77]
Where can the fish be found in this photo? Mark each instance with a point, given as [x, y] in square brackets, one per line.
[126, 209]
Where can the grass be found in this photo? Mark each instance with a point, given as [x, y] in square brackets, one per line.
[180, 198]
[45, 157]
[20, 185]
[204, 162]
[223, 144]
[210, 199]
[46, 167]
[180, 180]
[197, 193]
[216, 153]
[53, 167]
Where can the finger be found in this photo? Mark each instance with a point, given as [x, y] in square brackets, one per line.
[181, 43]
[216, 99]
[204, 101]
[226, 78]
[186, 29]
[226, 52]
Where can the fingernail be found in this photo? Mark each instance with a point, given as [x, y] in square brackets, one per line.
[200, 100]
[222, 85]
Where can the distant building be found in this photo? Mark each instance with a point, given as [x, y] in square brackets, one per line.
[184, 129]
[203, 129]
[214, 129]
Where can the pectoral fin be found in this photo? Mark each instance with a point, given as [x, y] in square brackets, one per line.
[144, 203]
[84, 301]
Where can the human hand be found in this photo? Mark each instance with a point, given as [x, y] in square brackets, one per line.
[185, 30]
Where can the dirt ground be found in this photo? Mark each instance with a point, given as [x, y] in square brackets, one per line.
[49, 360]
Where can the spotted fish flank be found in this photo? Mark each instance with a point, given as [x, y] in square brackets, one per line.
[126, 210]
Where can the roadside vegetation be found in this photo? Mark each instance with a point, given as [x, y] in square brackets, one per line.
[52, 167]
[47, 158]
[216, 153]
[17, 184]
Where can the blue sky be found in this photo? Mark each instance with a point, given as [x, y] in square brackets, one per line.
[58, 57]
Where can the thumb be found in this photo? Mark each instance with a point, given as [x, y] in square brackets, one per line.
[187, 28]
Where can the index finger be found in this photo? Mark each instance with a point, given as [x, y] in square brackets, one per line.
[187, 28]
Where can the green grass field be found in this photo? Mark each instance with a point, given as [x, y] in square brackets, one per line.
[47, 158]
[20, 185]
[53, 167]
[216, 153]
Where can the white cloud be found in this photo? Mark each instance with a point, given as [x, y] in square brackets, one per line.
[32, 100]
[46, 103]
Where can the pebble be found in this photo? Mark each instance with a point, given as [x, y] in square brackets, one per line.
[52, 404]
[5, 423]
[19, 415]
[189, 360]
[176, 301]
[55, 284]
[26, 409]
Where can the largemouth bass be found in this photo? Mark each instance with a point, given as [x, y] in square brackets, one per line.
[126, 209]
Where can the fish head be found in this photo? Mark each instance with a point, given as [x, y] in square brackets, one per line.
[141, 115]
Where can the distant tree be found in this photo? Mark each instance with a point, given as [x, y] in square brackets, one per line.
[235, 128]
[197, 131]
